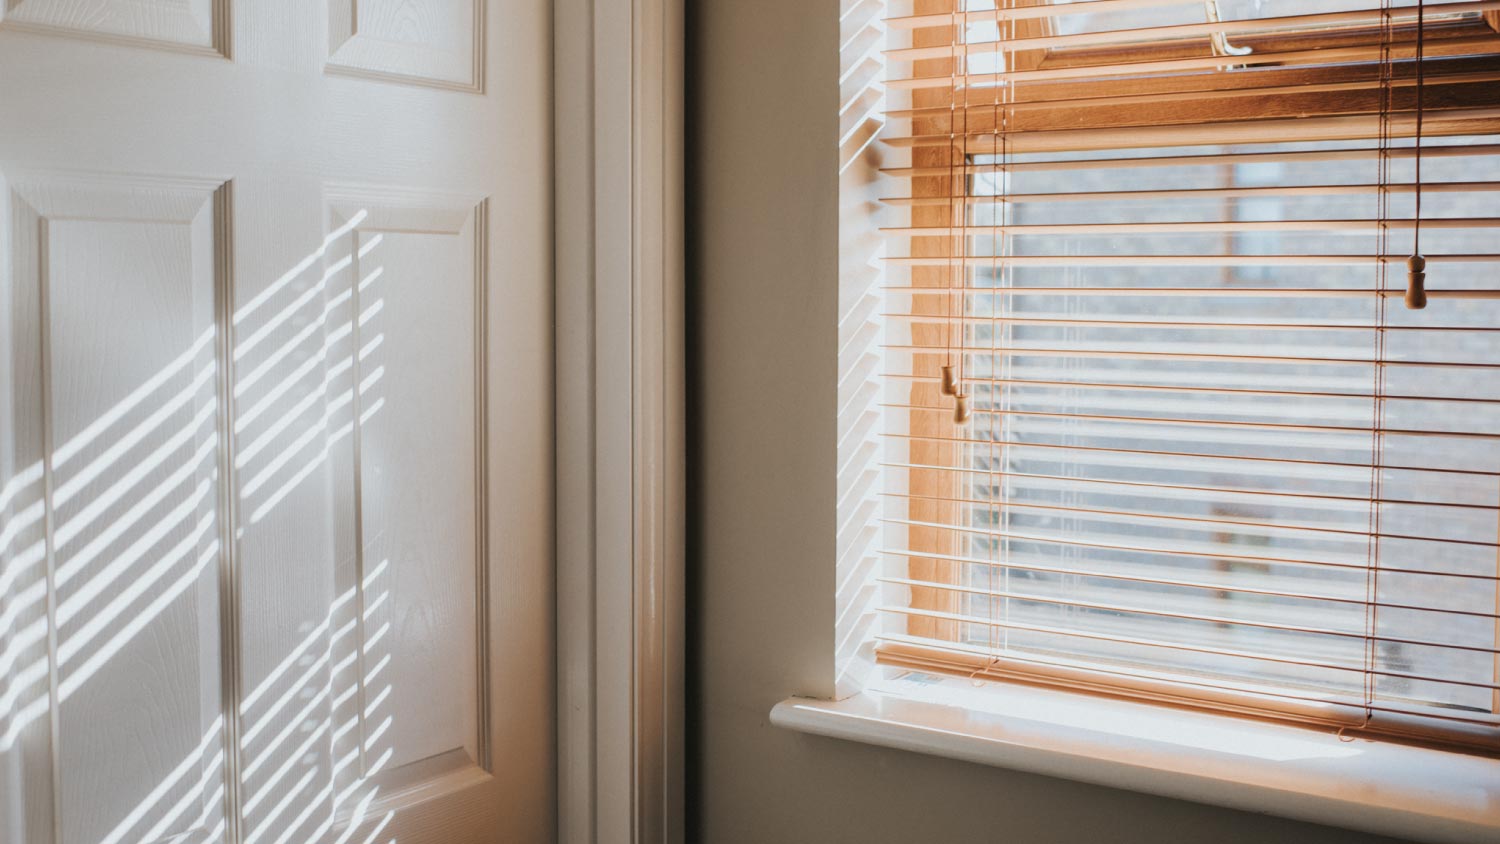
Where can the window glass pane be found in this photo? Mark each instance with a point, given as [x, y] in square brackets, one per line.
[1173, 467]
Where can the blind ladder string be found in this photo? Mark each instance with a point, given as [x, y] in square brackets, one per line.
[962, 409]
[993, 476]
[999, 637]
[1377, 439]
[991, 543]
[1495, 695]
[999, 243]
[950, 378]
[949, 384]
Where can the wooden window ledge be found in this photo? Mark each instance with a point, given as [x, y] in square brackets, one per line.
[1294, 772]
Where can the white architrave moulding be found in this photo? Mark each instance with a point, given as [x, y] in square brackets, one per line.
[619, 195]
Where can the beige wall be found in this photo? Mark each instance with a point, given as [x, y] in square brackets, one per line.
[762, 268]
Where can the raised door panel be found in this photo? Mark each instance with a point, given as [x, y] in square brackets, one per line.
[436, 42]
[407, 398]
[192, 25]
[124, 276]
[25, 700]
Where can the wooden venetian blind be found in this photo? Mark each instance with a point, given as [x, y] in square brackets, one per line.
[1158, 248]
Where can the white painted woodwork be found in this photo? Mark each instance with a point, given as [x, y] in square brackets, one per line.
[433, 43]
[191, 25]
[275, 425]
[120, 285]
[621, 399]
[409, 264]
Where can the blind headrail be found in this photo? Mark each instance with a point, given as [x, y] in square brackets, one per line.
[1056, 10]
[1171, 32]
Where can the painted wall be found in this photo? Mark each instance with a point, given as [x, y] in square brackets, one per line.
[763, 264]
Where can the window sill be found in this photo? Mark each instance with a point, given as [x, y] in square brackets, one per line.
[1391, 789]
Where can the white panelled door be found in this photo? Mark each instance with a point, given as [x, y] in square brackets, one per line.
[275, 425]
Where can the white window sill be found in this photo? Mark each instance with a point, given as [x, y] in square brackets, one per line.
[1310, 775]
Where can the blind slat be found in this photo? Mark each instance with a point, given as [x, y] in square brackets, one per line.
[1199, 260]
[1227, 325]
[1135, 354]
[1189, 227]
[1225, 159]
[1240, 424]
[1193, 193]
[1370, 465]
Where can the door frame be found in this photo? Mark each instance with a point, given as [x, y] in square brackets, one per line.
[619, 194]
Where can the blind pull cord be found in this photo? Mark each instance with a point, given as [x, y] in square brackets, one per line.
[952, 381]
[953, 387]
[1416, 265]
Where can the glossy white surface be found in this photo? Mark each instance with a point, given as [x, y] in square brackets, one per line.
[189, 25]
[437, 44]
[275, 484]
[1309, 775]
[621, 410]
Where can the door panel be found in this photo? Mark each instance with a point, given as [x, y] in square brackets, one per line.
[275, 422]
[410, 369]
[190, 25]
[120, 289]
[435, 43]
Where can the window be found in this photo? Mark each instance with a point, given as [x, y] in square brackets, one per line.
[1157, 251]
